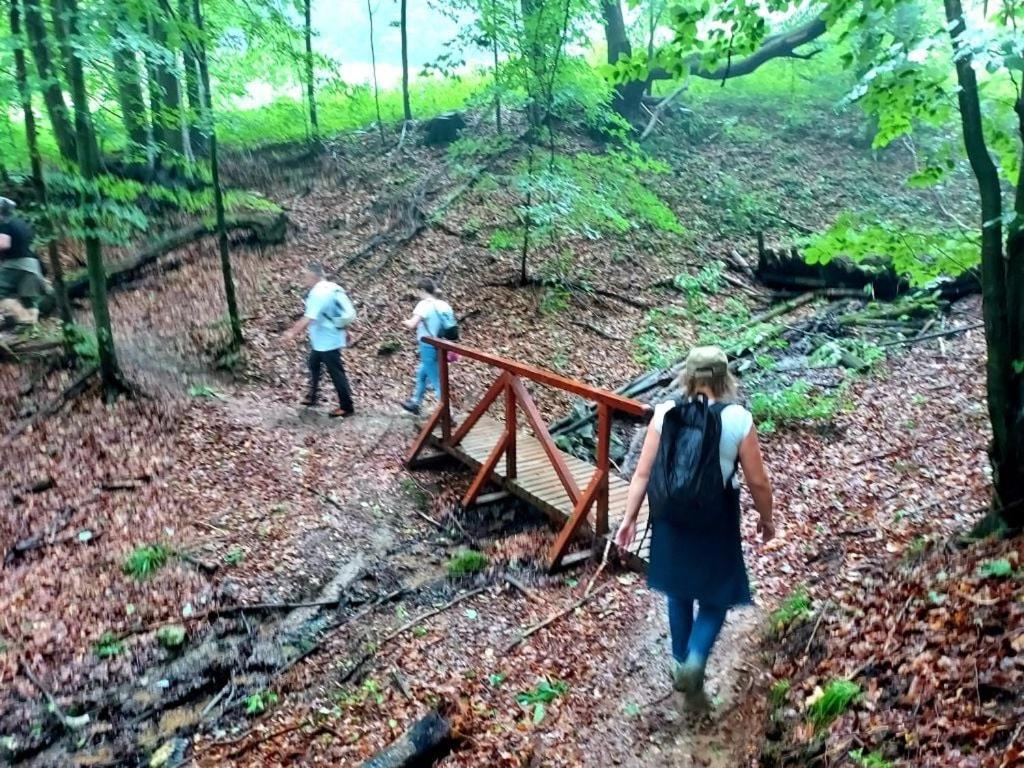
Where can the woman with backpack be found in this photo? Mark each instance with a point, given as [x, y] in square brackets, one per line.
[688, 466]
[431, 317]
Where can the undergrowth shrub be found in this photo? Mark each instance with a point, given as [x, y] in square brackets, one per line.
[835, 699]
[796, 608]
[795, 404]
[143, 562]
[466, 562]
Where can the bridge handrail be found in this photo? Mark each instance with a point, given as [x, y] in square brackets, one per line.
[615, 402]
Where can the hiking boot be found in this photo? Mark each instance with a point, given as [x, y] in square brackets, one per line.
[340, 413]
[411, 407]
[688, 678]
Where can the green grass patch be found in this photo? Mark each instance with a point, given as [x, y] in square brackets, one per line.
[504, 240]
[143, 562]
[108, 646]
[235, 556]
[864, 759]
[996, 569]
[836, 698]
[466, 562]
[794, 609]
[540, 696]
[171, 635]
[796, 404]
[779, 693]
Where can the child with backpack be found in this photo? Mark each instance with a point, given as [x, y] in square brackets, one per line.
[431, 317]
[688, 466]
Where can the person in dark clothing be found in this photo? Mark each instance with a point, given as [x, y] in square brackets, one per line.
[698, 563]
[21, 274]
[325, 303]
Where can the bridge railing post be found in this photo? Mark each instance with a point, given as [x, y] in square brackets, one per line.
[604, 437]
[444, 396]
[510, 430]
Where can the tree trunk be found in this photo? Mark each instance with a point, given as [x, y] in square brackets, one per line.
[1001, 289]
[405, 63]
[165, 93]
[627, 95]
[310, 70]
[373, 64]
[129, 93]
[494, 51]
[88, 163]
[194, 115]
[36, 163]
[53, 96]
[218, 193]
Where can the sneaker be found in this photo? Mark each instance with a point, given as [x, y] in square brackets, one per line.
[411, 406]
[340, 413]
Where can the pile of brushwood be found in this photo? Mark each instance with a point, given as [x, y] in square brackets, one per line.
[803, 347]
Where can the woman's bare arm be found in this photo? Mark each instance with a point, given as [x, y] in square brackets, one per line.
[757, 481]
[638, 487]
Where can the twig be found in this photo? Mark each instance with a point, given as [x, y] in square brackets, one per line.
[599, 331]
[936, 335]
[70, 723]
[810, 640]
[530, 594]
[405, 628]
[401, 684]
[73, 389]
[662, 106]
[554, 617]
[600, 569]
[432, 521]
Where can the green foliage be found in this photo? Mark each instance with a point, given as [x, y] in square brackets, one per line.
[779, 693]
[794, 609]
[795, 404]
[539, 697]
[171, 635]
[259, 702]
[739, 209]
[869, 759]
[143, 562]
[83, 343]
[707, 280]
[650, 348]
[204, 391]
[235, 556]
[996, 569]
[504, 240]
[849, 352]
[837, 697]
[108, 646]
[415, 492]
[920, 256]
[466, 562]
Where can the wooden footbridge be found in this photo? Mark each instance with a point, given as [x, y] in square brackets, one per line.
[529, 465]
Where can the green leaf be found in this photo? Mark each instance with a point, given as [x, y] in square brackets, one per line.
[539, 711]
[996, 569]
[171, 635]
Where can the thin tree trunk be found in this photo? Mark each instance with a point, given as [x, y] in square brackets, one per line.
[310, 71]
[88, 163]
[373, 64]
[53, 96]
[194, 113]
[627, 95]
[1003, 337]
[218, 193]
[494, 51]
[36, 162]
[129, 90]
[165, 92]
[405, 63]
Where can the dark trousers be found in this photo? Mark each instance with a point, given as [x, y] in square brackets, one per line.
[332, 360]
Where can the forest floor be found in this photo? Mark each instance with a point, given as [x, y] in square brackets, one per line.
[259, 501]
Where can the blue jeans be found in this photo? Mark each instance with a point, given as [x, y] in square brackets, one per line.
[429, 373]
[692, 638]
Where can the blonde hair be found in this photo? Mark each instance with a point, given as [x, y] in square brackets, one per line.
[721, 387]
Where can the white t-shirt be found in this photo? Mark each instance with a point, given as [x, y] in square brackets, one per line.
[323, 335]
[429, 311]
[736, 425]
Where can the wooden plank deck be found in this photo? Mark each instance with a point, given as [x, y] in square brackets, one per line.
[538, 484]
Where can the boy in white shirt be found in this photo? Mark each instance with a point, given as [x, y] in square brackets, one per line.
[323, 302]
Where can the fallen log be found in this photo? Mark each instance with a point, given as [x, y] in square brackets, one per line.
[787, 270]
[427, 739]
[266, 230]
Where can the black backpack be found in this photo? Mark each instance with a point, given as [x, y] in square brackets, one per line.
[686, 486]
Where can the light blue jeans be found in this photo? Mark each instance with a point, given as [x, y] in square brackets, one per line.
[692, 638]
[429, 373]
